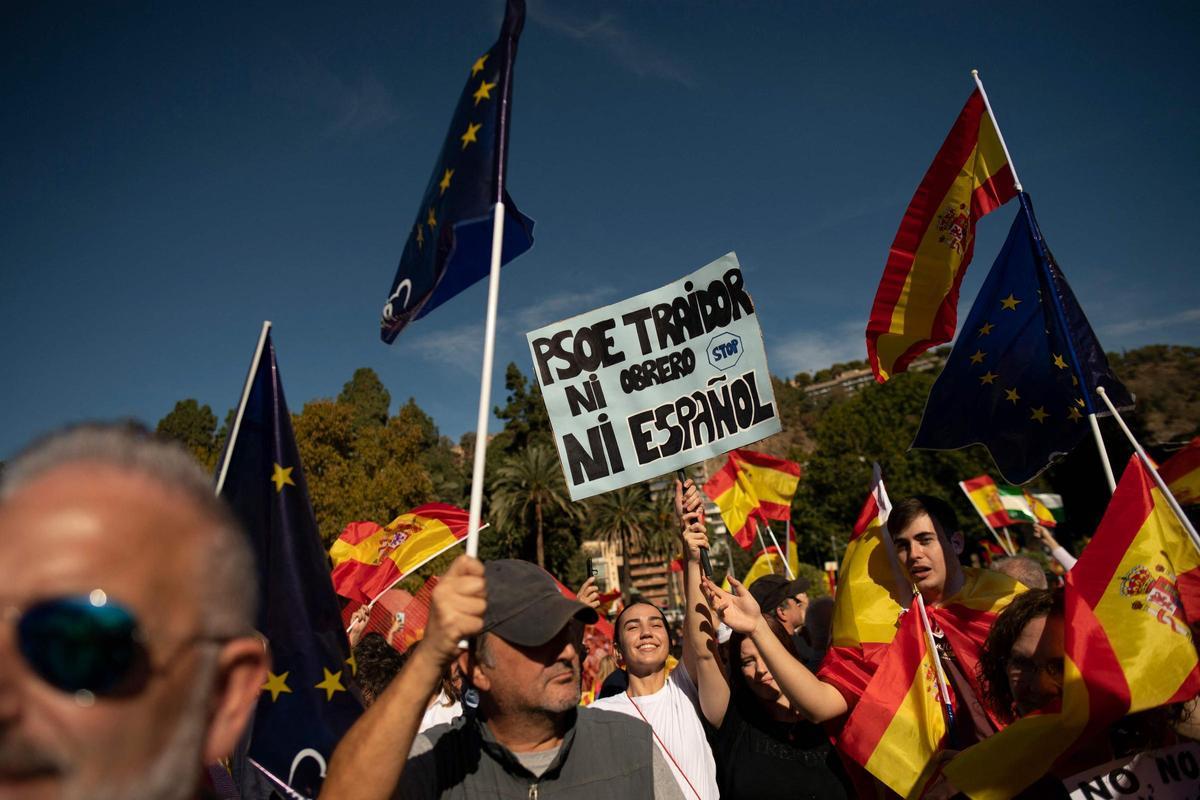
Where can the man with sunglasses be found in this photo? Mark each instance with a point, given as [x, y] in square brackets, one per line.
[527, 735]
[127, 653]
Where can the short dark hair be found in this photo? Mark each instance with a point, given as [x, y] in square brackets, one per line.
[907, 510]
[997, 650]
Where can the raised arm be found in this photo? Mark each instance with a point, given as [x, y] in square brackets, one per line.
[699, 626]
[378, 744]
[815, 699]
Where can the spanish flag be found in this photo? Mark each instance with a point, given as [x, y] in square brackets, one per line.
[916, 303]
[899, 724]
[753, 486]
[985, 496]
[367, 559]
[769, 562]
[1181, 473]
[896, 724]
[872, 594]
[1132, 608]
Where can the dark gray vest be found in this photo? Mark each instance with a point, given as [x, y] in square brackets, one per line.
[603, 755]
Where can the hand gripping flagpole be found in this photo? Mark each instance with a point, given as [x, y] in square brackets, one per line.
[705, 563]
[1092, 422]
[1162, 485]
[241, 409]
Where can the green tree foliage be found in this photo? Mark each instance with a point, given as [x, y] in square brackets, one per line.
[526, 421]
[194, 426]
[359, 473]
[528, 485]
[632, 519]
[366, 394]
[877, 423]
[449, 471]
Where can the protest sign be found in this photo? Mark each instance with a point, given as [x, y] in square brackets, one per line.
[1170, 772]
[654, 383]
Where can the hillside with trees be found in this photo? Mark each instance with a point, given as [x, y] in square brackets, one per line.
[364, 463]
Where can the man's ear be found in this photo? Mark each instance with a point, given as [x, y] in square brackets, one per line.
[469, 665]
[241, 672]
[780, 613]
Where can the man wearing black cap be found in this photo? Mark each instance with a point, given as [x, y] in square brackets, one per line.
[528, 735]
[787, 601]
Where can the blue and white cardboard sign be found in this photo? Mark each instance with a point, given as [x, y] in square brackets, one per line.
[657, 382]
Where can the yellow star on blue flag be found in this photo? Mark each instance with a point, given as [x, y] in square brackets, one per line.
[1040, 348]
[460, 199]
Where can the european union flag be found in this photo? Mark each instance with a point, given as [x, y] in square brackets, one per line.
[449, 247]
[1021, 377]
[307, 703]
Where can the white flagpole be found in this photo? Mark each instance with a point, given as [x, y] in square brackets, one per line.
[988, 105]
[1162, 485]
[1108, 473]
[986, 524]
[943, 689]
[485, 384]
[241, 409]
[786, 566]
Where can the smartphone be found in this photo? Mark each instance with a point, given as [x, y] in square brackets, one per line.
[591, 570]
[399, 617]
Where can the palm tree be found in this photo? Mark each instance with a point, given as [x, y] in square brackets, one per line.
[530, 481]
[631, 517]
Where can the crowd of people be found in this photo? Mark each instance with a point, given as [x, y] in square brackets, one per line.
[130, 660]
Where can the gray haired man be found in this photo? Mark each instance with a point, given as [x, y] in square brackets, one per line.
[127, 653]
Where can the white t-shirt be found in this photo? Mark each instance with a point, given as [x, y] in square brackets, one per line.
[439, 712]
[674, 714]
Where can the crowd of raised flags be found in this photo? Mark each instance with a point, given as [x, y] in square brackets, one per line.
[1023, 378]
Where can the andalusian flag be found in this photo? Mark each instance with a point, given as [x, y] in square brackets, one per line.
[915, 305]
[1132, 604]
[1181, 473]
[899, 724]
[751, 488]
[367, 559]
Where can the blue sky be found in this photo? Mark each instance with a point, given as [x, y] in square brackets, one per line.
[173, 174]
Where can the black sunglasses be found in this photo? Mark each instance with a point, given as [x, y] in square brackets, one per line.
[87, 644]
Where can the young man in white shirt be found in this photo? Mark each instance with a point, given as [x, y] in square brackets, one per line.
[669, 704]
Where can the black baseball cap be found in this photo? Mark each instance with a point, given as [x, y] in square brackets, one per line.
[524, 605]
[771, 590]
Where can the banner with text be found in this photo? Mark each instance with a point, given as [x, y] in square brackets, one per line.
[652, 384]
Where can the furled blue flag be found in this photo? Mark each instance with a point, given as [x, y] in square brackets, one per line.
[449, 246]
[1021, 377]
[308, 701]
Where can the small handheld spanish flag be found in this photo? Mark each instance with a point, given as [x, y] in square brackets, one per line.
[753, 486]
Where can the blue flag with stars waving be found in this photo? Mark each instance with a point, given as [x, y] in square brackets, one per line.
[1021, 377]
[307, 703]
[449, 245]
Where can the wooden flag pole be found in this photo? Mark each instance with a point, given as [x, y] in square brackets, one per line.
[241, 409]
[1162, 485]
[485, 384]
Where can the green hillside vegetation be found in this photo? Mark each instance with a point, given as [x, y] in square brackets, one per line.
[363, 463]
